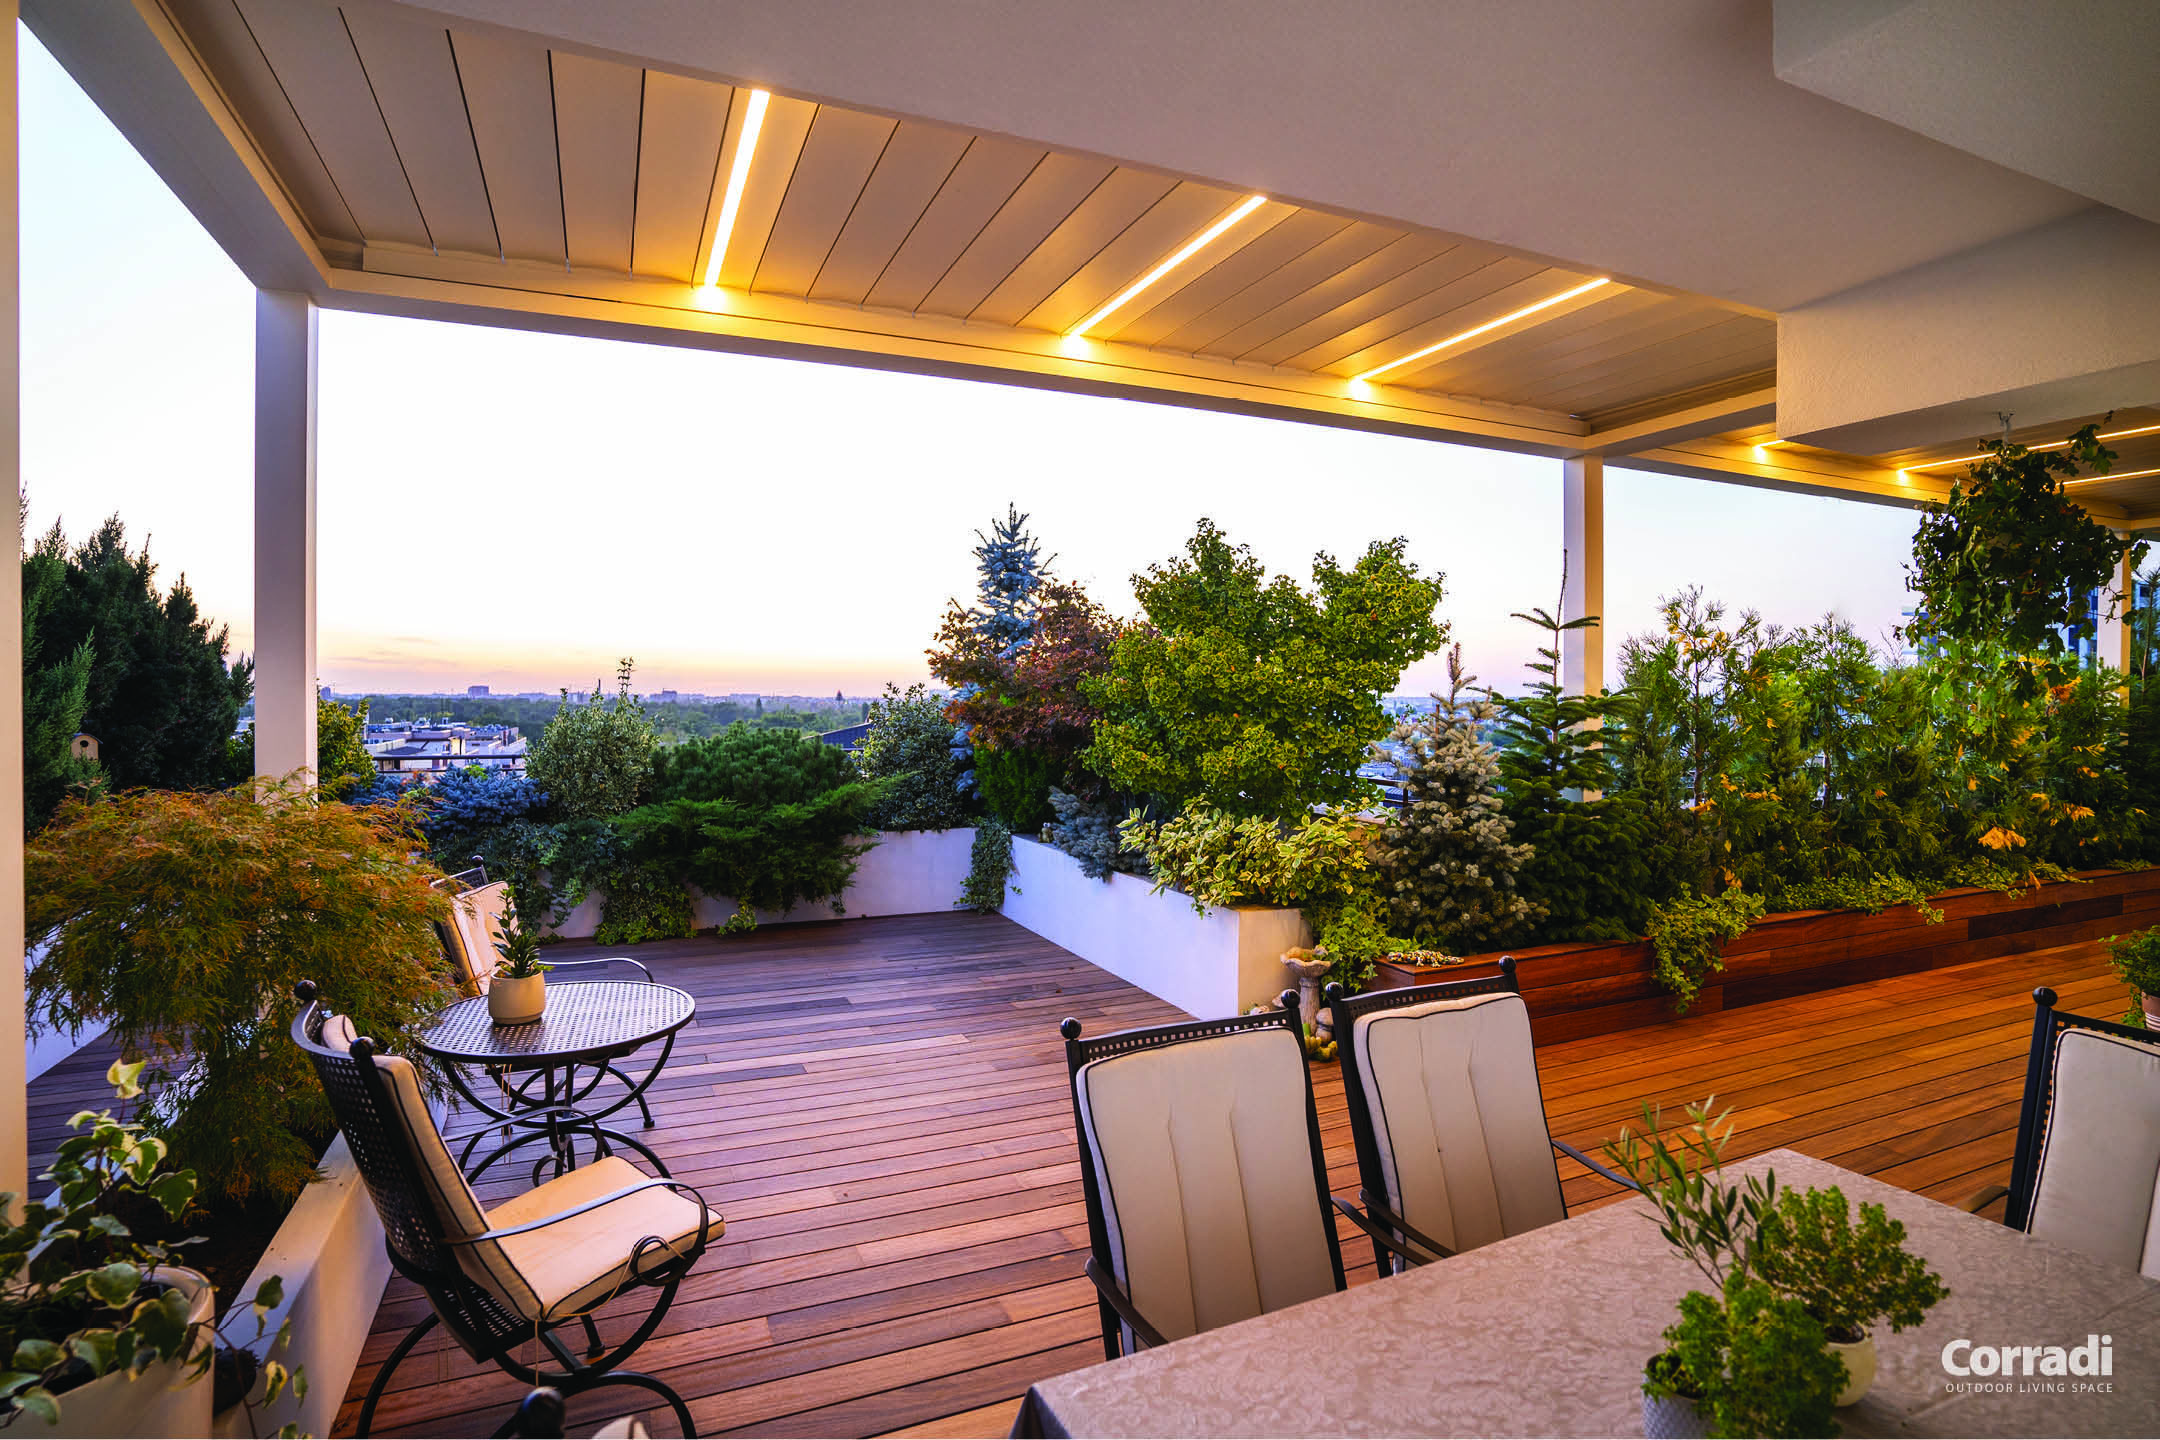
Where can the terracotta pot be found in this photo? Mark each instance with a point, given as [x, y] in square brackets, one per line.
[2152, 1010]
[1673, 1417]
[517, 1001]
[164, 1402]
[1859, 1358]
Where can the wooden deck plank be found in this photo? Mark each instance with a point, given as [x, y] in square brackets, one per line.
[880, 1108]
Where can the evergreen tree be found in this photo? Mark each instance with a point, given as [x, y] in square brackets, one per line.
[55, 695]
[1445, 865]
[1589, 868]
[158, 693]
[1010, 570]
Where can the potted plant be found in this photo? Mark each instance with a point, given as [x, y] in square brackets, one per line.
[518, 995]
[1849, 1278]
[2137, 960]
[106, 1334]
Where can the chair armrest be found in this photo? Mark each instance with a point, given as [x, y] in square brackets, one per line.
[1403, 1228]
[1380, 1236]
[599, 960]
[704, 1214]
[1584, 1160]
[1979, 1200]
[1117, 1300]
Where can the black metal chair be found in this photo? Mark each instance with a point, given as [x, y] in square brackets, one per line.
[2088, 1139]
[1206, 1202]
[523, 1270]
[1448, 1118]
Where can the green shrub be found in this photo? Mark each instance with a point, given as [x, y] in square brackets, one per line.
[183, 921]
[1687, 936]
[2137, 959]
[1352, 935]
[910, 751]
[1216, 858]
[1253, 696]
[1091, 832]
[593, 759]
[990, 862]
[1759, 1359]
[1848, 1277]
[1015, 786]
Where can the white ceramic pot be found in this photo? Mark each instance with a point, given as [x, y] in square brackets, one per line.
[2152, 1010]
[1673, 1417]
[165, 1402]
[517, 1001]
[1859, 1358]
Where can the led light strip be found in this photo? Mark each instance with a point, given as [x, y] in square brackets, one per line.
[2050, 445]
[1486, 328]
[1191, 248]
[739, 176]
[2110, 479]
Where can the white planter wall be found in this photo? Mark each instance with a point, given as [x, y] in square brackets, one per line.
[1213, 965]
[906, 872]
[331, 1255]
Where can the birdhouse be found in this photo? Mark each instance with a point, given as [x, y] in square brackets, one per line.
[84, 747]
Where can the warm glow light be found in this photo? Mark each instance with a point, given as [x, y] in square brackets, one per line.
[2111, 479]
[2050, 445]
[739, 176]
[1191, 248]
[1487, 327]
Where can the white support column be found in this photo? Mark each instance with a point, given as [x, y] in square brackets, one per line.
[285, 371]
[1582, 526]
[2115, 633]
[14, 1036]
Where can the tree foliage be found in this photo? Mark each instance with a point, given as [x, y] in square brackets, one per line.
[594, 758]
[909, 751]
[1253, 696]
[182, 921]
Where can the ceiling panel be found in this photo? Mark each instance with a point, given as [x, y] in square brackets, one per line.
[1351, 245]
[1632, 331]
[1110, 207]
[596, 140]
[415, 80]
[772, 170]
[1344, 287]
[228, 50]
[1166, 227]
[1442, 286]
[989, 174]
[839, 154]
[680, 132]
[914, 168]
[308, 47]
[1050, 193]
[511, 109]
[1183, 297]
[1495, 290]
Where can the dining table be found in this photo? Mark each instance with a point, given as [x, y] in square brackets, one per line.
[1546, 1332]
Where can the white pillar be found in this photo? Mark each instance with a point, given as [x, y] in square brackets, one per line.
[14, 1037]
[285, 371]
[1582, 526]
[2115, 634]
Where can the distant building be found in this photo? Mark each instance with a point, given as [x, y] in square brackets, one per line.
[849, 737]
[664, 697]
[407, 750]
[476, 690]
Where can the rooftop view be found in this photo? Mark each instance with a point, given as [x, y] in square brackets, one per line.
[731, 726]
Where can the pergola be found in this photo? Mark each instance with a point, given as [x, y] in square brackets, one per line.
[1821, 252]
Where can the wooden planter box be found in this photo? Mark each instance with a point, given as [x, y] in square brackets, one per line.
[1595, 989]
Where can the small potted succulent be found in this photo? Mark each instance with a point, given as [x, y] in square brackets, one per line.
[518, 994]
[106, 1334]
[2137, 960]
[1848, 1277]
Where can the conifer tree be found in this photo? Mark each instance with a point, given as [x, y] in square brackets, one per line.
[1446, 867]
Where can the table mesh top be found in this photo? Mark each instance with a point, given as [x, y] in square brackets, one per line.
[581, 1017]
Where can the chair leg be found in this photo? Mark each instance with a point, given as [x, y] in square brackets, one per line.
[593, 1348]
[366, 1425]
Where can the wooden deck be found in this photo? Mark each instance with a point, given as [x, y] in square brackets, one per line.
[879, 1107]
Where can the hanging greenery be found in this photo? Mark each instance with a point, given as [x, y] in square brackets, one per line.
[2011, 557]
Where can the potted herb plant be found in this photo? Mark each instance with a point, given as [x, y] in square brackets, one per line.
[2137, 960]
[1849, 1278]
[518, 995]
[106, 1334]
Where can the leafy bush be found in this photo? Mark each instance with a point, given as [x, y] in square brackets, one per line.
[1023, 701]
[1252, 696]
[767, 817]
[1444, 863]
[1848, 1277]
[2136, 959]
[990, 862]
[1217, 858]
[1015, 787]
[183, 921]
[1759, 1359]
[1091, 833]
[910, 749]
[342, 763]
[594, 758]
[461, 811]
[1352, 934]
[1687, 935]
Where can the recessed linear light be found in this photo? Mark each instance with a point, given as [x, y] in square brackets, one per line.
[2110, 479]
[1488, 326]
[738, 176]
[2050, 445]
[1190, 248]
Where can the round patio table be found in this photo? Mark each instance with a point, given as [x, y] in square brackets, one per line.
[544, 1074]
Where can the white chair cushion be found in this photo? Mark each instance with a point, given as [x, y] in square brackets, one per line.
[2098, 1189]
[581, 1262]
[1206, 1170]
[1459, 1118]
[476, 917]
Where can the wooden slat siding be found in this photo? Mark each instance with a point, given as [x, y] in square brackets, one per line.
[1577, 990]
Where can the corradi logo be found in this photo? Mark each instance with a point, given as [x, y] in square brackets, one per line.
[1980, 1368]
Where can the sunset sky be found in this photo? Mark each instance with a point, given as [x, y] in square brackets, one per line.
[518, 510]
